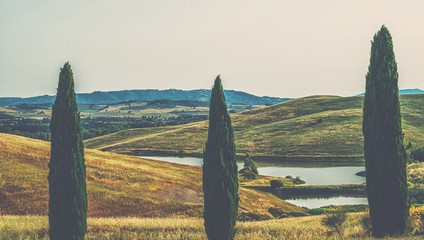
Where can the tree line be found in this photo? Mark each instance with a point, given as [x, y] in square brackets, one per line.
[92, 126]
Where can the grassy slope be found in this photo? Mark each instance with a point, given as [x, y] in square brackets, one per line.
[118, 185]
[310, 128]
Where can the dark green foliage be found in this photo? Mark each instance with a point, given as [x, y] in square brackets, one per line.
[249, 164]
[67, 186]
[249, 175]
[91, 126]
[416, 194]
[383, 141]
[418, 154]
[276, 184]
[297, 180]
[277, 212]
[220, 181]
[249, 171]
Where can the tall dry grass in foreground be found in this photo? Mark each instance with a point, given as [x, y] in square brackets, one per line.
[35, 227]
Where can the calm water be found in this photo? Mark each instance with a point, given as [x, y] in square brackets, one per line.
[312, 174]
[314, 202]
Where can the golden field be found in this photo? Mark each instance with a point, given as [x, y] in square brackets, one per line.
[307, 228]
[117, 185]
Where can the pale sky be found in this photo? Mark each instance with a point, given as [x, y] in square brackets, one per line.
[281, 48]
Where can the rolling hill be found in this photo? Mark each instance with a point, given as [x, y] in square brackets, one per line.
[315, 128]
[117, 185]
[203, 95]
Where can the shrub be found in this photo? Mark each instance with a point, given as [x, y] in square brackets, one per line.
[277, 212]
[416, 194]
[297, 180]
[335, 220]
[249, 165]
[418, 154]
[276, 184]
[249, 175]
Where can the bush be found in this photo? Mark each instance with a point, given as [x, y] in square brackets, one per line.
[416, 194]
[250, 165]
[297, 180]
[277, 212]
[418, 155]
[249, 175]
[335, 220]
[276, 184]
[252, 216]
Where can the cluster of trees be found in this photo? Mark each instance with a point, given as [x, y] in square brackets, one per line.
[91, 127]
[94, 127]
[32, 128]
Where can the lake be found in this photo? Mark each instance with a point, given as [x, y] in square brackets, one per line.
[311, 174]
[316, 202]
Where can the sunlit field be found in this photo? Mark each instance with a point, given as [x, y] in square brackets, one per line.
[36, 227]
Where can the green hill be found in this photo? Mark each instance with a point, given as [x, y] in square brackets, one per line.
[306, 129]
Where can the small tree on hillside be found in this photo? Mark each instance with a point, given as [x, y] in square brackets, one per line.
[220, 181]
[249, 170]
[67, 186]
[383, 141]
[249, 164]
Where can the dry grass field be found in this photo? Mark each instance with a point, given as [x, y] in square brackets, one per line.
[301, 228]
[117, 185]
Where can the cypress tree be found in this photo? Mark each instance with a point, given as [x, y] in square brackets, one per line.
[220, 180]
[383, 141]
[67, 186]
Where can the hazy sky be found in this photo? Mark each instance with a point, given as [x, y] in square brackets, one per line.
[282, 48]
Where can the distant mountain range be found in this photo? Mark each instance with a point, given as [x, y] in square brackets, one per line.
[232, 97]
[405, 91]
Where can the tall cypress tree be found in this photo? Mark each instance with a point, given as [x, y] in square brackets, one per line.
[220, 180]
[67, 187]
[383, 141]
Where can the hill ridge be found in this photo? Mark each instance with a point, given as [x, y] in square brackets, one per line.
[113, 97]
[314, 128]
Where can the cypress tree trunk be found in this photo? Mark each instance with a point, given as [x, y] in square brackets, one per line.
[220, 180]
[383, 141]
[67, 187]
